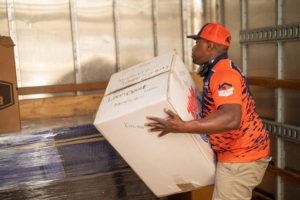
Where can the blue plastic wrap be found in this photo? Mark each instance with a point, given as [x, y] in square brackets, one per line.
[65, 163]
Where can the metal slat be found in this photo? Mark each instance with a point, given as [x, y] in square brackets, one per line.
[271, 34]
[117, 33]
[155, 20]
[244, 26]
[13, 35]
[285, 131]
[75, 43]
[280, 145]
[184, 23]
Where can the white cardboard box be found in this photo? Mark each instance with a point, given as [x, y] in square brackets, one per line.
[170, 164]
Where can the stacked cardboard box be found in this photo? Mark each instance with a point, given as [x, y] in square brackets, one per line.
[9, 104]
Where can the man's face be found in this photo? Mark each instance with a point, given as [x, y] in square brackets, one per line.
[201, 54]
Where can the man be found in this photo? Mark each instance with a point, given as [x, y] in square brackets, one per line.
[234, 128]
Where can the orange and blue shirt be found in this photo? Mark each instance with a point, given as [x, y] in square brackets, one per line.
[225, 84]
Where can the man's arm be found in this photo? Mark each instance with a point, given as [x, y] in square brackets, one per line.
[226, 118]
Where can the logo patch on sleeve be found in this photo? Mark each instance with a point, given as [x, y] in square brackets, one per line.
[225, 90]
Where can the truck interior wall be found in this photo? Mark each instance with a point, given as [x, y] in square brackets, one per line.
[291, 11]
[95, 40]
[87, 41]
[291, 107]
[232, 11]
[136, 35]
[292, 71]
[263, 61]
[3, 19]
[262, 56]
[169, 26]
[292, 163]
[51, 51]
[44, 43]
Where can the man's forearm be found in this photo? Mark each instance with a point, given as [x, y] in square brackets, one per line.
[216, 122]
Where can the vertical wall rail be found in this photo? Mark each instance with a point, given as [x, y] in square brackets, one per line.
[154, 22]
[13, 34]
[197, 21]
[186, 30]
[116, 33]
[183, 28]
[213, 11]
[280, 157]
[220, 16]
[244, 26]
[189, 42]
[75, 42]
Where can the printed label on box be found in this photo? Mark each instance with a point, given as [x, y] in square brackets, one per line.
[6, 94]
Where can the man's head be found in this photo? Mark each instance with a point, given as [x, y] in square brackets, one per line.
[211, 41]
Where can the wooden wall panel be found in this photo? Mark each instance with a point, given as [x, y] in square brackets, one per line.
[60, 106]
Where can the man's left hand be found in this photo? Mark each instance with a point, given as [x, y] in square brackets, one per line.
[172, 124]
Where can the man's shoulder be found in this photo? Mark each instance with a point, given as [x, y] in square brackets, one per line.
[225, 69]
[225, 66]
[226, 72]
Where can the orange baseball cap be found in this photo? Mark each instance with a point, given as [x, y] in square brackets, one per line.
[214, 33]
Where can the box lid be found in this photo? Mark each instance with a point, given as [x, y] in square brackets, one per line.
[140, 72]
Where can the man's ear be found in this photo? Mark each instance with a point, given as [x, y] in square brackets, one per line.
[210, 46]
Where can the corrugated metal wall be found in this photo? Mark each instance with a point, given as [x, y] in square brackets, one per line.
[79, 41]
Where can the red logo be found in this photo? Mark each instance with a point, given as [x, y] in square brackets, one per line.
[193, 106]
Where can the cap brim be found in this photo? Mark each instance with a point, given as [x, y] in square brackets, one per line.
[193, 37]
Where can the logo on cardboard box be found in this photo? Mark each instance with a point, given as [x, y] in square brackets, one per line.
[6, 94]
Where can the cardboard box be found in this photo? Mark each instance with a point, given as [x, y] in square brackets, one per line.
[171, 164]
[9, 103]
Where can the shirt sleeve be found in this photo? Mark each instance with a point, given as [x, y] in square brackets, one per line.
[226, 87]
